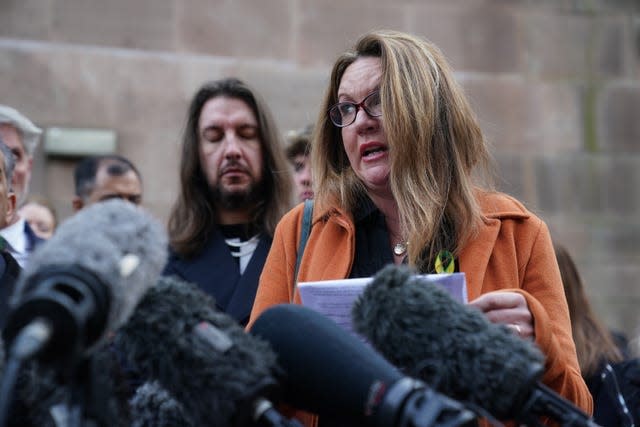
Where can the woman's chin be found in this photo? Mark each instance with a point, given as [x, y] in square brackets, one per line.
[377, 182]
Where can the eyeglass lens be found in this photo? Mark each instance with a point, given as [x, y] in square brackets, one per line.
[344, 113]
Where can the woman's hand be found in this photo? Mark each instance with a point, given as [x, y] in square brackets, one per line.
[508, 308]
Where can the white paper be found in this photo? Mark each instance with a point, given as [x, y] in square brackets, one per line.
[335, 298]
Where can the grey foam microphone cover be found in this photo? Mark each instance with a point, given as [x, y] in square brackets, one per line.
[420, 328]
[119, 242]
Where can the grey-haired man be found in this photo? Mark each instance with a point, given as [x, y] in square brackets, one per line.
[22, 137]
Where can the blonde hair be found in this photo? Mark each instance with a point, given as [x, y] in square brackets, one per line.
[434, 138]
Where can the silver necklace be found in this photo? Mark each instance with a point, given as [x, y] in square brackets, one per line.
[400, 248]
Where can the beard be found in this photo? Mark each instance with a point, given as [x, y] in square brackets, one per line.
[238, 199]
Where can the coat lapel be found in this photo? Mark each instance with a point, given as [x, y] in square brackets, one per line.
[474, 258]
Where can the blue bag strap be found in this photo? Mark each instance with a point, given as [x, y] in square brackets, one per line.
[304, 236]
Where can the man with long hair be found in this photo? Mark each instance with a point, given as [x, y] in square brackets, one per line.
[234, 187]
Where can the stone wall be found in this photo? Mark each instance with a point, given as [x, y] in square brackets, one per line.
[556, 84]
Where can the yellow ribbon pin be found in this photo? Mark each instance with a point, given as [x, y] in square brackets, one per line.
[445, 262]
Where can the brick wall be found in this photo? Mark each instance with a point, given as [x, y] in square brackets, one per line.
[556, 84]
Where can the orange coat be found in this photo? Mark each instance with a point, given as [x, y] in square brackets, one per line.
[512, 251]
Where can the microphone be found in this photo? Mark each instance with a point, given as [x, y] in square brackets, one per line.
[40, 399]
[84, 282]
[418, 327]
[153, 406]
[332, 373]
[203, 358]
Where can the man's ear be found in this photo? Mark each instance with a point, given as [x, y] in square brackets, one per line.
[77, 203]
[11, 205]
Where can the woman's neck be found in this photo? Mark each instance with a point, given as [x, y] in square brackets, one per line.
[389, 208]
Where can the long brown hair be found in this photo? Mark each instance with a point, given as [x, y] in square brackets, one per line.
[594, 343]
[434, 138]
[192, 217]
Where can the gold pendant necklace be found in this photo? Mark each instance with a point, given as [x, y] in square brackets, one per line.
[400, 248]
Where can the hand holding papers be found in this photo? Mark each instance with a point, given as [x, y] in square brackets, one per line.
[334, 298]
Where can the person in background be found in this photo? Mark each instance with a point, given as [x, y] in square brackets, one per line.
[613, 378]
[104, 177]
[298, 144]
[234, 188]
[40, 215]
[396, 159]
[9, 267]
[22, 137]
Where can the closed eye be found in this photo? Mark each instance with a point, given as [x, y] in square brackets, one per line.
[247, 132]
[212, 134]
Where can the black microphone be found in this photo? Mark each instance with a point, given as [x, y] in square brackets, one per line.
[41, 399]
[420, 328]
[84, 282]
[220, 374]
[332, 373]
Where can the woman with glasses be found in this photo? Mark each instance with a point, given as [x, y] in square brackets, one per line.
[395, 160]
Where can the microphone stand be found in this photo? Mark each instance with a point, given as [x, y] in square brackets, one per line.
[85, 407]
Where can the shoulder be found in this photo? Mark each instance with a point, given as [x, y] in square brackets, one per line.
[509, 225]
[293, 216]
[291, 222]
[178, 263]
[511, 213]
[502, 206]
[630, 370]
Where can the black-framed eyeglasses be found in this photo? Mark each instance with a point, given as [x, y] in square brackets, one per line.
[344, 113]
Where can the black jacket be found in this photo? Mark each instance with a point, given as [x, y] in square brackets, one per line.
[9, 272]
[616, 394]
[216, 272]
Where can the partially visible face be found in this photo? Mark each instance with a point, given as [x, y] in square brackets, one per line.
[302, 177]
[7, 198]
[230, 149]
[364, 140]
[24, 162]
[126, 186]
[39, 218]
